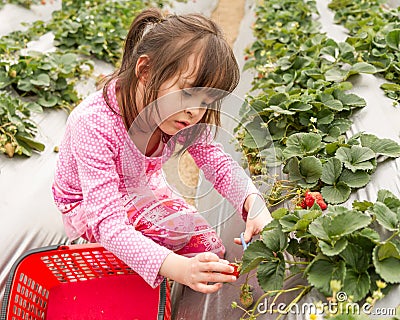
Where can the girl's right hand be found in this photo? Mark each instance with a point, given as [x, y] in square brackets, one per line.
[202, 272]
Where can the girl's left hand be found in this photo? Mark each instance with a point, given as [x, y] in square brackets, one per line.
[258, 217]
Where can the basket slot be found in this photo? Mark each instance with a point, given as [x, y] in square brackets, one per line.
[30, 300]
[84, 265]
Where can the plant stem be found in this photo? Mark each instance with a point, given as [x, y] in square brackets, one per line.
[297, 262]
[392, 236]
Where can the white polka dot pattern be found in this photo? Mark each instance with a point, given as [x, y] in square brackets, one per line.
[90, 172]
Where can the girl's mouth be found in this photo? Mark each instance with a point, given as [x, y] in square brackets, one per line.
[181, 124]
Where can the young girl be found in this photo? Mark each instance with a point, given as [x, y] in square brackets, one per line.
[108, 181]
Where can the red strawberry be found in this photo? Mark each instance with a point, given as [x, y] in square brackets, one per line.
[322, 204]
[303, 204]
[236, 271]
[311, 197]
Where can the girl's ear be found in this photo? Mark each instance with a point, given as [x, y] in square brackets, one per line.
[142, 68]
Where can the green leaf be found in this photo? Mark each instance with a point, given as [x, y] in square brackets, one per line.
[331, 228]
[336, 105]
[48, 102]
[370, 234]
[293, 169]
[256, 252]
[337, 193]
[331, 170]
[355, 257]
[256, 136]
[361, 205]
[30, 142]
[356, 179]
[356, 284]
[336, 75]
[42, 80]
[275, 239]
[280, 110]
[321, 272]
[306, 217]
[350, 99]
[387, 268]
[390, 86]
[388, 250]
[68, 59]
[34, 107]
[356, 157]
[302, 144]
[288, 222]
[384, 194]
[25, 85]
[393, 204]
[362, 67]
[271, 274]
[343, 124]
[279, 213]
[310, 168]
[384, 147]
[277, 99]
[332, 249]
[393, 39]
[299, 106]
[386, 217]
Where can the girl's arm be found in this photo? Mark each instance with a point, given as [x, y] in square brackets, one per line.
[258, 216]
[232, 182]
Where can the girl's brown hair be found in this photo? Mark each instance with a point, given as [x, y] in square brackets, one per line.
[169, 41]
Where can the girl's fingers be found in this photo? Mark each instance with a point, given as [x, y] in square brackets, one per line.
[216, 277]
[207, 288]
[216, 267]
[207, 257]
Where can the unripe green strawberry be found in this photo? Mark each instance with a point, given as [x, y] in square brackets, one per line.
[246, 295]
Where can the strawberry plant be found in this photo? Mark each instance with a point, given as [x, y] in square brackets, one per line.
[23, 3]
[48, 77]
[303, 108]
[17, 131]
[96, 28]
[296, 119]
[343, 245]
[91, 28]
[374, 30]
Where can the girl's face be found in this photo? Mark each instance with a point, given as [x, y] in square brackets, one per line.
[180, 105]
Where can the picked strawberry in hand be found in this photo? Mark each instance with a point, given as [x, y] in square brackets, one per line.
[310, 198]
[236, 270]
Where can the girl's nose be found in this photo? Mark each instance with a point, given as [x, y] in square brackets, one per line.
[193, 112]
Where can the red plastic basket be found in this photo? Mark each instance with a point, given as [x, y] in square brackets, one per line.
[80, 282]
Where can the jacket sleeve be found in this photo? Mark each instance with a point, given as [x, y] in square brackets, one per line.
[95, 151]
[227, 176]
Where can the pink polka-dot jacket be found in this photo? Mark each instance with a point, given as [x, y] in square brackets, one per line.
[99, 167]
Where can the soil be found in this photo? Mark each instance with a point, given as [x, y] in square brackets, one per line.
[228, 14]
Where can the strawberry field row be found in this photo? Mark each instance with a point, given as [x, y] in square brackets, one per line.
[297, 118]
[83, 30]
